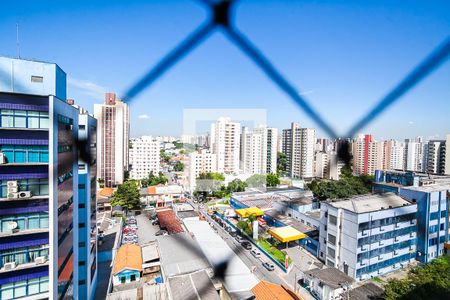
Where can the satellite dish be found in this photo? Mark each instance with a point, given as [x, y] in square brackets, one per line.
[12, 225]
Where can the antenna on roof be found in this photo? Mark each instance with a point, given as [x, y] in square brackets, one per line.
[17, 40]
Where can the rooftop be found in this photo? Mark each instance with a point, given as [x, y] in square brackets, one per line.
[440, 185]
[275, 214]
[265, 199]
[370, 203]
[286, 234]
[368, 291]
[331, 277]
[196, 285]
[237, 278]
[265, 290]
[106, 192]
[149, 253]
[128, 256]
[180, 254]
[169, 221]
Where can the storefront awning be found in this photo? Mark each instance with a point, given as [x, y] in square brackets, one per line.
[250, 211]
[286, 234]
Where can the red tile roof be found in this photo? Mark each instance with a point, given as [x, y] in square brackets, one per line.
[169, 221]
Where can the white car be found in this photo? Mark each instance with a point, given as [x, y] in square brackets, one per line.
[255, 253]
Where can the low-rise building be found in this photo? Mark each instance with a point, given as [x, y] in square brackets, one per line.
[328, 284]
[367, 236]
[127, 264]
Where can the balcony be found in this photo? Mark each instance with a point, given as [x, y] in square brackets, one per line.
[23, 232]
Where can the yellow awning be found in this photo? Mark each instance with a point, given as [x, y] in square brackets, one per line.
[250, 211]
[286, 234]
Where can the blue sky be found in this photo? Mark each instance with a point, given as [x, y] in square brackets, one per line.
[342, 55]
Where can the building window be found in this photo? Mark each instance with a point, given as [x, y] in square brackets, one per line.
[331, 239]
[81, 263]
[81, 186]
[38, 79]
[332, 219]
[82, 225]
[24, 222]
[25, 154]
[81, 205]
[331, 252]
[82, 244]
[82, 282]
[24, 288]
[23, 119]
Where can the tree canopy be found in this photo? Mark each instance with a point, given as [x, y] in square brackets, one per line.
[281, 163]
[178, 166]
[152, 179]
[427, 281]
[348, 185]
[263, 180]
[127, 195]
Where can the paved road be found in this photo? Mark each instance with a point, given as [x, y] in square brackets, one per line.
[277, 276]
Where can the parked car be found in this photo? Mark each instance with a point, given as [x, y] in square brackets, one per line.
[239, 238]
[268, 266]
[132, 226]
[161, 232]
[255, 253]
[131, 221]
[246, 245]
[129, 240]
[155, 222]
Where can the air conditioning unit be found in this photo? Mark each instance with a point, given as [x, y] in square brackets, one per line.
[13, 189]
[12, 183]
[40, 260]
[10, 266]
[2, 158]
[12, 195]
[24, 194]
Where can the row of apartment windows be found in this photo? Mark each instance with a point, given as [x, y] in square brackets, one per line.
[25, 154]
[23, 119]
[385, 235]
[434, 241]
[24, 288]
[436, 228]
[24, 222]
[387, 221]
[37, 187]
[384, 264]
[384, 250]
[22, 255]
[435, 215]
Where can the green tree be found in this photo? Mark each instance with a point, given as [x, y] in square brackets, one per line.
[210, 185]
[164, 156]
[427, 281]
[236, 185]
[272, 180]
[256, 181]
[179, 166]
[126, 195]
[281, 163]
[152, 179]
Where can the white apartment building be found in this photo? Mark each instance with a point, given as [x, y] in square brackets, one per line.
[394, 155]
[447, 155]
[321, 164]
[368, 155]
[225, 144]
[112, 139]
[367, 236]
[416, 153]
[202, 161]
[436, 157]
[259, 150]
[298, 146]
[144, 157]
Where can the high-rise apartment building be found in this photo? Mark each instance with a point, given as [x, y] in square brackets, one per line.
[416, 153]
[259, 150]
[436, 157]
[144, 157]
[394, 155]
[39, 178]
[201, 161]
[447, 155]
[367, 155]
[298, 146]
[113, 119]
[225, 144]
[86, 211]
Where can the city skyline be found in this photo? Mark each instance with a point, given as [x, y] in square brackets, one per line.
[330, 69]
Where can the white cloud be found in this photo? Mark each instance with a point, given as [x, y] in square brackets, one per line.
[144, 116]
[306, 92]
[86, 87]
[410, 122]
